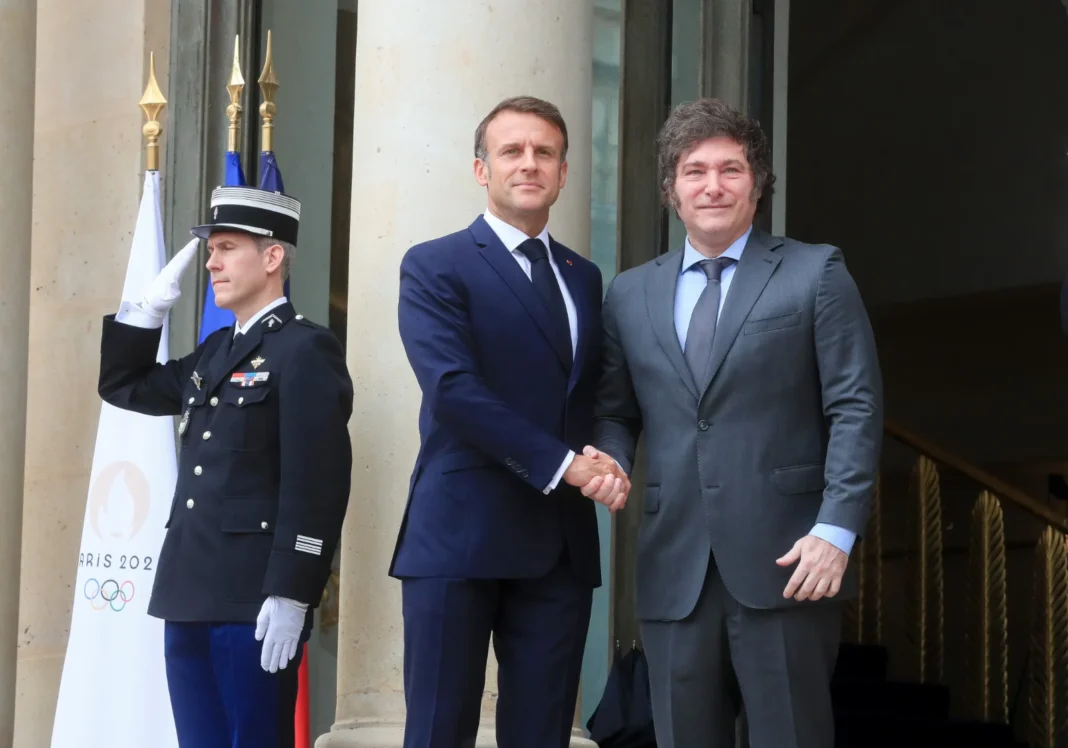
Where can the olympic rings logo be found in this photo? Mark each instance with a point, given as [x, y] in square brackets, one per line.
[108, 593]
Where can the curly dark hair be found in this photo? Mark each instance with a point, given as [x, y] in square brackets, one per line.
[694, 122]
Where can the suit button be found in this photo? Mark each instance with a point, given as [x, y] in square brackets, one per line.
[207, 435]
[240, 400]
[198, 470]
[263, 525]
[300, 316]
[525, 474]
[189, 503]
[192, 400]
[214, 401]
[703, 425]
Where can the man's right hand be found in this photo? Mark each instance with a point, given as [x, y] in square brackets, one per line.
[600, 477]
[165, 289]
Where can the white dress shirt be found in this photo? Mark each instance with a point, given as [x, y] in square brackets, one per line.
[511, 238]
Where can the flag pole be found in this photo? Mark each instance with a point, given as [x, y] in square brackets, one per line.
[114, 661]
[234, 88]
[270, 176]
[268, 88]
[152, 104]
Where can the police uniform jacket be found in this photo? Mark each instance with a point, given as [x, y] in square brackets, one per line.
[264, 463]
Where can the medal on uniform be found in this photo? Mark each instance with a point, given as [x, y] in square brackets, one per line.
[185, 422]
[248, 379]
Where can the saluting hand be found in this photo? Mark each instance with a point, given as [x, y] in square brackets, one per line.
[165, 290]
[278, 626]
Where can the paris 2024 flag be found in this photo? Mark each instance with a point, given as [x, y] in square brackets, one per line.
[114, 688]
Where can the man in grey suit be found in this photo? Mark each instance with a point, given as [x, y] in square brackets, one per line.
[749, 363]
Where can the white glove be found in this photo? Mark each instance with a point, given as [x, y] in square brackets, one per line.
[278, 626]
[164, 290]
[160, 295]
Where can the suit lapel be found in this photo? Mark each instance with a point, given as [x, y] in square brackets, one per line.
[660, 299]
[497, 255]
[582, 308]
[212, 366]
[750, 277]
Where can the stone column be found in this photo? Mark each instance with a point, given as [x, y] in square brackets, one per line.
[91, 67]
[18, 36]
[426, 74]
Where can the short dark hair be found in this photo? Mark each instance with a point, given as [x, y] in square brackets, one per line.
[524, 105]
[694, 122]
[263, 243]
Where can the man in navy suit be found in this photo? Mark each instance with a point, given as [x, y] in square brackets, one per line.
[502, 326]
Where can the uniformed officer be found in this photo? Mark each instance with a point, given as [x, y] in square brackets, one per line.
[263, 473]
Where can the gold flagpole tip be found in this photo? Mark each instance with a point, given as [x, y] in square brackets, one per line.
[268, 88]
[234, 88]
[152, 104]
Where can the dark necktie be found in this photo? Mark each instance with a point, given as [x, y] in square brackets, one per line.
[702, 327]
[544, 280]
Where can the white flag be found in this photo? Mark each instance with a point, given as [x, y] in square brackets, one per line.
[114, 688]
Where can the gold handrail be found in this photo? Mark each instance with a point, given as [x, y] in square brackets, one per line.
[1048, 701]
[864, 614]
[987, 651]
[986, 661]
[928, 573]
[995, 485]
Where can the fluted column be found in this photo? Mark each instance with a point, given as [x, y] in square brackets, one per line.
[426, 74]
[18, 36]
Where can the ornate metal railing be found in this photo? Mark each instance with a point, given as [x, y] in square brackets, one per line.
[983, 663]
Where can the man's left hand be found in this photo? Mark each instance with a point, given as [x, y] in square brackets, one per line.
[819, 573]
[279, 625]
[611, 490]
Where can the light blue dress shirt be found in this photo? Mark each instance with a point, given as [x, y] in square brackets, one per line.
[692, 281]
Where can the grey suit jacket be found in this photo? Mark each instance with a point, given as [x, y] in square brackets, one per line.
[787, 432]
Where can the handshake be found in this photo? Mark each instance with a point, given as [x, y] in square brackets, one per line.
[600, 477]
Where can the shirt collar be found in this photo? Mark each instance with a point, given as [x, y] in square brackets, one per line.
[691, 256]
[510, 236]
[256, 317]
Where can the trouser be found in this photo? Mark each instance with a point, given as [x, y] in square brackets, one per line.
[538, 628]
[220, 696]
[777, 662]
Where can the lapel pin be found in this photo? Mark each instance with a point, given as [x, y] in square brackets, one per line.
[256, 362]
[196, 380]
[568, 262]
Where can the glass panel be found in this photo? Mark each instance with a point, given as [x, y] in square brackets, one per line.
[344, 114]
[604, 183]
[685, 77]
[604, 186]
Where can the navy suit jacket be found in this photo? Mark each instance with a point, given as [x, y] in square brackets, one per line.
[499, 412]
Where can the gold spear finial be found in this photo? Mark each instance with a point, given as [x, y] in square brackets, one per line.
[234, 88]
[268, 88]
[152, 103]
